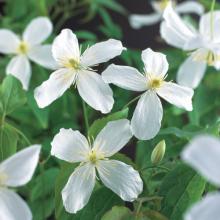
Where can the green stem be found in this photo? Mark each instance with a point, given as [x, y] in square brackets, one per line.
[212, 18]
[43, 189]
[131, 102]
[85, 116]
[1, 133]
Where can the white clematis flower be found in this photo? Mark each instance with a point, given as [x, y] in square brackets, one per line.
[26, 48]
[137, 21]
[147, 117]
[76, 69]
[16, 171]
[203, 154]
[73, 147]
[204, 44]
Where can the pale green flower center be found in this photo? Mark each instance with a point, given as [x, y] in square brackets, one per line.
[22, 48]
[3, 178]
[94, 156]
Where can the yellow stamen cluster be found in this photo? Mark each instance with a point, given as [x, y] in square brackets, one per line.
[155, 83]
[72, 64]
[94, 157]
[22, 48]
[3, 178]
[163, 4]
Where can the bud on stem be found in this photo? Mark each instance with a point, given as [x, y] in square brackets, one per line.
[158, 152]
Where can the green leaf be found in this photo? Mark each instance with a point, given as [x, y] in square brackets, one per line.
[12, 95]
[180, 189]
[99, 124]
[118, 213]
[8, 141]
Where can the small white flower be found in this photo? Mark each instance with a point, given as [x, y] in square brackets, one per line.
[203, 154]
[146, 120]
[137, 21]
[16, 171]
[27, 47]
[205, 44]
[73, 147]
[76, 69]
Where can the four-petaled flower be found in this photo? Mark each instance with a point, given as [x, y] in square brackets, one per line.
[137, 21]
[28, 47]
[73, 147]
[76, 69]
[203, 44]
[203, 154]
[16, 171]
[146, 120]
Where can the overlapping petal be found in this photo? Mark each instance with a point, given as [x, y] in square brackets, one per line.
[147, 117]
[20, 67]
[94, 91]
[78, 189]
[54, 87]
[190, 7]
[177, 95]
[101, 52]
[70, 146]
[125, 77]
[19, 168]
[120, 178]
[38, 30]
[203, 154]
[113, 137]
[12, 206]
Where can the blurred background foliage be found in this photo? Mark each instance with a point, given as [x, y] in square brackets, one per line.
[170, 186]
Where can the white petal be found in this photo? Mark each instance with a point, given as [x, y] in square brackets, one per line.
[121, 178]
[191, 72]
[125, 77]
[13, 207]
[38, 30]
[70, 146]
[94, 91]
[190, 7]
[174, 31]
[138, 21]
[54, 87]
[205, 26]
[113, 137]
[19, 168]
[65, 46]
[42, 55]
[155, 63]
[102, 52]
[9, 41]
[203, 154]
[79, 188]
[177, 95]
[206, 209]
[20, 68]
[147, 117]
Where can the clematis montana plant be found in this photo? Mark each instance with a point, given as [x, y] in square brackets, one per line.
[203, 45]
[77, 69]
[28, 47]
[203, 154]
[73, 147]
[138, 21]
[147, 117]
[16, 171]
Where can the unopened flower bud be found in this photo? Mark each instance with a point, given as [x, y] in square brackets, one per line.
[158, 152]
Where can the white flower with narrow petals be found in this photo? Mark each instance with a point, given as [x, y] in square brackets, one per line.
[16, 171]
[137, 21]
[27, 47]
[146, 120]
[73, 147]
[203, 44]
[76, 69]
[203, 154]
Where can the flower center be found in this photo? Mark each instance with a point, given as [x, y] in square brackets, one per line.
[3, 178]
[155, 83]
[72, 64]
[206, 56]
[22, 48]
[94, 157]
[163, 4]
